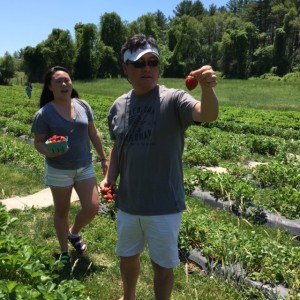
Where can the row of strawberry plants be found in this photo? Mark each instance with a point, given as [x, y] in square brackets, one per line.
[267, 255]
[212, 147]
[261, 117]
[18, 152]
[245, 192]
[246, 128]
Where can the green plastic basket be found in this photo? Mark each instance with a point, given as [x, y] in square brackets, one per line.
[57, 146]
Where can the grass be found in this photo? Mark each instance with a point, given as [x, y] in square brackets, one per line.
[254, 93]
[18, 181]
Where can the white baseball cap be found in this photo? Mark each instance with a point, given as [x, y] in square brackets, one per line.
[134, 56]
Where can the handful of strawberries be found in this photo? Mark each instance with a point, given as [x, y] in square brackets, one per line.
[107, 203]
[107, 193]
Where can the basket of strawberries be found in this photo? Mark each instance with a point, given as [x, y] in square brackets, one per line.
[57, 143]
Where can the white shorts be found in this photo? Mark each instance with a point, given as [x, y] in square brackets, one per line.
[65, 178]
[159, 232]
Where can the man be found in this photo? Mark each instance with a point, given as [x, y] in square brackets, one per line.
[147, 126]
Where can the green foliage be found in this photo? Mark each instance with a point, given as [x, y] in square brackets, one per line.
[19, 152]
[34, 63]
[242, 39]
[189, 8]
[265, 256]
[248, 129]
[280, 56]
[27, 271]
[292, 77]
[235, 54]
[7, 68]
[59, 49]
[84, 61]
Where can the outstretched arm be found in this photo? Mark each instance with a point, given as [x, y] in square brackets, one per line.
[208, 109]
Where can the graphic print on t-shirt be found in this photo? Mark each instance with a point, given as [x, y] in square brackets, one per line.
[140, 121]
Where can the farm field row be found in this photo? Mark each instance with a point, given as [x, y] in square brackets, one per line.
[241, 134]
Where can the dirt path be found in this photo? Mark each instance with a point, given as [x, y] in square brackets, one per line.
[40, 199]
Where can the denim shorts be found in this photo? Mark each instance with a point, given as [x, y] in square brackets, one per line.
[65, 178]
[159, 232]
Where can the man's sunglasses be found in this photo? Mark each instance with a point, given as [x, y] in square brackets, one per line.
[142, 64]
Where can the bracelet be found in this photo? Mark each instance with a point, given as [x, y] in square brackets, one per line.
[102, 159]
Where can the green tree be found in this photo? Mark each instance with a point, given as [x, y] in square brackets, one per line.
[112, 35]
[162, 24]
[7, 68]
[236, 6]
[86, 63]
[262, 60]
[212, 10]
[112, 32]
[235, 54]
[185, 36]
[259, 12]
[34, 63]
[190, 8]
[279, 53]
[58, 49]
[109, 65]
[291, 25]
[145, 24]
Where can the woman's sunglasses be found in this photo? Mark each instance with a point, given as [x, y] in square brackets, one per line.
[142, 64]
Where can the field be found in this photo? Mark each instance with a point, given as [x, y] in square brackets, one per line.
[259, 122]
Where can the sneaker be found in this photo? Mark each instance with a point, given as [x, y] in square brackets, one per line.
[78, 243]
[64, 258]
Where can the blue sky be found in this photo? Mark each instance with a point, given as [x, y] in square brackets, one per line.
[27, 23]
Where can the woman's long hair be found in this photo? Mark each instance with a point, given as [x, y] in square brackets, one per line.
[47, 95]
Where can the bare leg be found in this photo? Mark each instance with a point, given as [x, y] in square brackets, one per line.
[88, 194]
[163, 282]
[61, 199]
[130, 270]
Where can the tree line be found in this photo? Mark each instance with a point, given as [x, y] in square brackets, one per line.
[245, 38]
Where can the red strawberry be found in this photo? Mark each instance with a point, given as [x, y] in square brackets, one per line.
[57, 138]
[191, 82]
[108, 196]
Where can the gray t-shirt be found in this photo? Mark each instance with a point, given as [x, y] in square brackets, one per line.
[48, 121]
[149, 133]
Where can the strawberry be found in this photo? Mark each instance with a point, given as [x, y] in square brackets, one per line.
[105, 190]
[108, 196]
[191, 82]
[57, 138]
[107, 193]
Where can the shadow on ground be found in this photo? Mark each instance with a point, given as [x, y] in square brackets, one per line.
[80, 266]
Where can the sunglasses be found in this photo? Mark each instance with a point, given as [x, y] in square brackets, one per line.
[142, 64]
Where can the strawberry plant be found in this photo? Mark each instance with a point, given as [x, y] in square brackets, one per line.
[27, 271]
[265, 256]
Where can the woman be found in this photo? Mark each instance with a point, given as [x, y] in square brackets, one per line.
[62, 113]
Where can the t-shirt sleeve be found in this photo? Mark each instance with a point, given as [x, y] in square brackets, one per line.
[185, 104]
[89, 111]
[111, 120]
[39, 126]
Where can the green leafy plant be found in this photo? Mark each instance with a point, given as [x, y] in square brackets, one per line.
[27, 271]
